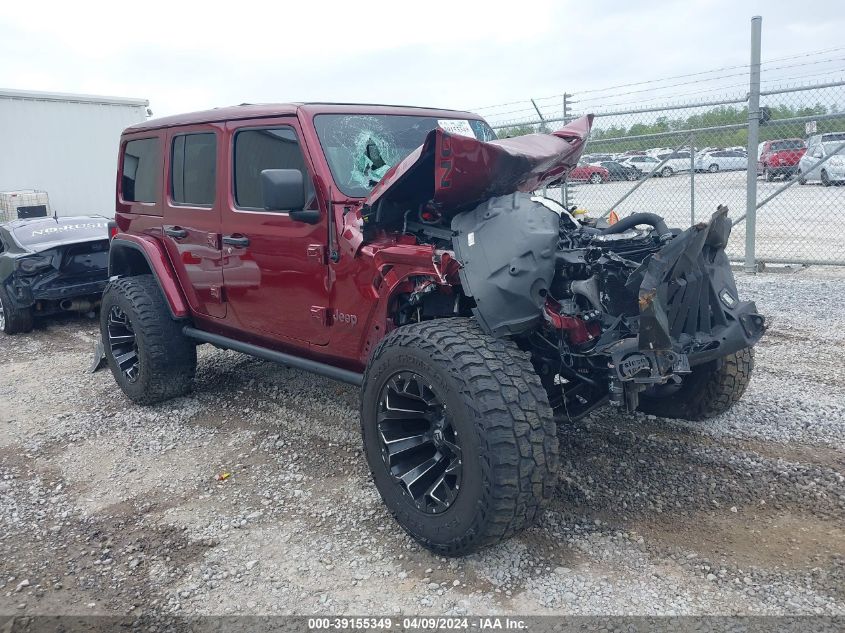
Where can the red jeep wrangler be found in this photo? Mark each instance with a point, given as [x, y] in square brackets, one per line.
[400, 249]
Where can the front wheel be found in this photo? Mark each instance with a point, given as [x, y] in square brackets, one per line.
[146, 351]
[667, 171]
[13, 320]
[713, 168]
[595, 179]
[633, 176]
[826, 181]
[458, 434]
[711, 389]
[770, 177]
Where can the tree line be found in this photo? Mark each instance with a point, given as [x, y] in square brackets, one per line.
[613, 138]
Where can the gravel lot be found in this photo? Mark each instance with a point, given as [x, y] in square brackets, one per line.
[107, 507]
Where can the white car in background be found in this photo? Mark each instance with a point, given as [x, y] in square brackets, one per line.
[675, 162]
[645, 164]
[721, 160]
[819, 147]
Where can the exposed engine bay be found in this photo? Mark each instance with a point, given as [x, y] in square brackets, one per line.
[606, 311]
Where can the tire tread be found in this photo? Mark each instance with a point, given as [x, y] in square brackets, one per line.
[512, 417]
[170, 357]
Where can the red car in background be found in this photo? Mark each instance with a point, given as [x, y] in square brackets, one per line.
[780, 158]
[594, 174]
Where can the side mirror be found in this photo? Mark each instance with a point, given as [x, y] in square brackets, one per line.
[283, 189]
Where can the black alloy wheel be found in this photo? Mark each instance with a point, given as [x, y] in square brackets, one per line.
[122, 343]
[419, 445]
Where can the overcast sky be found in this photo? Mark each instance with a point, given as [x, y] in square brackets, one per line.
[189, 55]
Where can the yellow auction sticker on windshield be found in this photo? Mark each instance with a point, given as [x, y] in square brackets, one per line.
[456, 126]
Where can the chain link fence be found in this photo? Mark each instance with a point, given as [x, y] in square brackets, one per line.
[682, 160]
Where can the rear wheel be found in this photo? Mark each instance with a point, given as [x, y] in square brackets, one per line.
[146, 351]
[713, 168]
[770, 177]
[13, 320]
[667, 171]
[458, 434]
[633, 175]
[711, 389]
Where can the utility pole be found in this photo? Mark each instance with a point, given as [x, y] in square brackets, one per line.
[753, 140]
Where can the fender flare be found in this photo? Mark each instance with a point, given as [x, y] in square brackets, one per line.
[159, 266]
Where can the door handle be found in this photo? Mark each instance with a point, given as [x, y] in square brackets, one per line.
[175, 232]
[241, 241]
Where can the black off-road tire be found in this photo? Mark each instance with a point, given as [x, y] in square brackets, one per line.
[14, 320]
[711, 389]
[508, 435]
[167, 358]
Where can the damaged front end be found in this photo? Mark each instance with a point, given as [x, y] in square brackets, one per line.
[607, 312]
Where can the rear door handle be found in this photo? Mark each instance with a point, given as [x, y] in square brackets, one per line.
[241, 241]
[175, 232]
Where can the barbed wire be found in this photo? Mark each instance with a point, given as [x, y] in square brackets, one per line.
[663, 79]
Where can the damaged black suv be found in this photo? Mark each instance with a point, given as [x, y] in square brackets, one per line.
[51, 265]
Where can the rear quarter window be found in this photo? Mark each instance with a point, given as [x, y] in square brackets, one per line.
[193, 169]
[139, 180]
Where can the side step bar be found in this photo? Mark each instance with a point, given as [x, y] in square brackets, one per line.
[342, 375]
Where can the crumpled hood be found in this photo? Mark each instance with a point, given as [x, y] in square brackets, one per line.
[457, 172]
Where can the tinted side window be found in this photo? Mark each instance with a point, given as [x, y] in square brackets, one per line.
[257, 150]
[141, 167]
[193, 169]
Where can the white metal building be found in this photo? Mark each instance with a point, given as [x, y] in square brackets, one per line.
[66, 145]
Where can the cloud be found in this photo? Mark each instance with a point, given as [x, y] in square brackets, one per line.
[190, 55]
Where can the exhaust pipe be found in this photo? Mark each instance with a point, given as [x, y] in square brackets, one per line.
[79, 305]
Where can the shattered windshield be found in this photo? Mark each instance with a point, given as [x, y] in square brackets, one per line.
[361, 148]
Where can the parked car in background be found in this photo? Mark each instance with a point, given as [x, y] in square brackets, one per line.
[593, 174]
[645, 164]
[618, 171]
[723, 160]
[675, 162]
[819, 147]
[595, 159]
[51, 265]
[780, 158]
